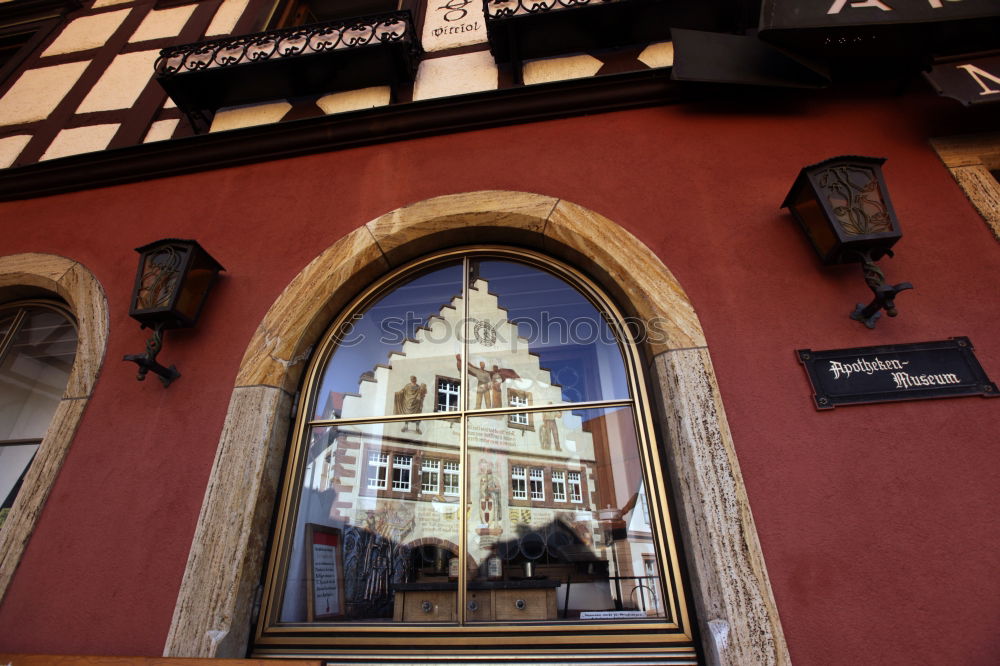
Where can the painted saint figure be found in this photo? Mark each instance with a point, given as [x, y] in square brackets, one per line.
[410, 400]
[548, 434]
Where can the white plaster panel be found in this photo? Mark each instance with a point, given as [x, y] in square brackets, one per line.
[11, 147]
[456, 75]
[448, 25]
[162, 23]
[122, 82]
[247, 116]
[87, 32]
[352, 100]
[224, 21]
[560, 69]
[161, 130]
[660, 54]
[81, 140]
[108, 3]
[38, 91]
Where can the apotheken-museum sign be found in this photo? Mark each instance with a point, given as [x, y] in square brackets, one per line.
[860, 375]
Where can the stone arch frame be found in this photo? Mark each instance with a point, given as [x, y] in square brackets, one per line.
[736, 611]
[23, 275]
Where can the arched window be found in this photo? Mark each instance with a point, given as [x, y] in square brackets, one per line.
[506, 383]
[37, 349]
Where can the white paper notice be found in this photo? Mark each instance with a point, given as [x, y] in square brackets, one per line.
[326, 588]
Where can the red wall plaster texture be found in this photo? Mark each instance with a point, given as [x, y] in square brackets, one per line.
[878, 523]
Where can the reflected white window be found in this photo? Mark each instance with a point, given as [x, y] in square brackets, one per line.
[401, 469]
[559, 486]
[451, 480]
[378, 464]
[447, 395]
[575, 487]
[430, 476]
[519, 483]
[537, 478]
[518, 399]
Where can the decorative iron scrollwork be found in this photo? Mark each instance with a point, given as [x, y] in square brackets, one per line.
[500, 9]
[855, 199]
[377, 29]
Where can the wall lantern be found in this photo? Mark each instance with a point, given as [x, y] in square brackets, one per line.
[843, 206]
[171, 284]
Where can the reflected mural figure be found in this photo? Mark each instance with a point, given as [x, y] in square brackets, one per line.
[484, 386]
[548, 434]
[410, 400]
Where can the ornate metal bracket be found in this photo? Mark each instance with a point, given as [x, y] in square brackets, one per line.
[147, 362]
[885, 294]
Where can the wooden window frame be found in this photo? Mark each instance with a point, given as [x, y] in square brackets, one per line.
[973, 161]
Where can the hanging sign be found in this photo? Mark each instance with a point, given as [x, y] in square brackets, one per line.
[795, 14]
[971, 80]
[861, 375]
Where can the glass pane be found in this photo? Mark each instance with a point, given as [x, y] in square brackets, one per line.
[14, 461]
[399, 355]
[559, 528]
[34, 373]
[377, 526]
[6, 320]
[535, 340]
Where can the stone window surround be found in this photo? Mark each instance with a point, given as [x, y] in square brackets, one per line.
[85, 298]
[729, 584]
[970, 159]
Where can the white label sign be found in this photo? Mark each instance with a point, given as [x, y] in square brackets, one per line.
[449, 24]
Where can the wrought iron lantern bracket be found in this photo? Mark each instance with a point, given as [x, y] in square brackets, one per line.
[843, 206]
[171, 284]
[885, 294]
[147, 362]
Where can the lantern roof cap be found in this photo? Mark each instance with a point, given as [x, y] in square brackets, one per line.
[874, 161]
[186, 241]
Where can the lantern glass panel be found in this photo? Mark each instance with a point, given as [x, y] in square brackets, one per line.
[813, 219]
[854, 197]
[195, 288]
[162, 270]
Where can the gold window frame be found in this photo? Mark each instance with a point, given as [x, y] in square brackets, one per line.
[671, 638]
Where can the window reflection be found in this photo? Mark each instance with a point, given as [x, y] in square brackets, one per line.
[560, 533]
[538, 340]
[409, 332]
[37, 350]
[556, 519]
[371, 527]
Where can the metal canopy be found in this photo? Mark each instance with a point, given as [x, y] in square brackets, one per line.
[741, 59]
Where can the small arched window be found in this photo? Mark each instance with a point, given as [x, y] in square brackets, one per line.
[474, 468]
[37, 349]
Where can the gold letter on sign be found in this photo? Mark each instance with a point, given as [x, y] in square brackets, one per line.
[979, 74]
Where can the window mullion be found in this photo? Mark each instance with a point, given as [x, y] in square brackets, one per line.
[15, 326]
[463, 489]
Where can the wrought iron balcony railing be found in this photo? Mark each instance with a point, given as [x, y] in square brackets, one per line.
[381, 49]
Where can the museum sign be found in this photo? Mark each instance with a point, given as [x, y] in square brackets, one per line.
[860, 375]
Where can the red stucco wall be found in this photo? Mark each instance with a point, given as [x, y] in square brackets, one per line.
[878, 523]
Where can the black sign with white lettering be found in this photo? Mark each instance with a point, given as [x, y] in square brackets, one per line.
[795, 14]
[943, 369]
[969, 80]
